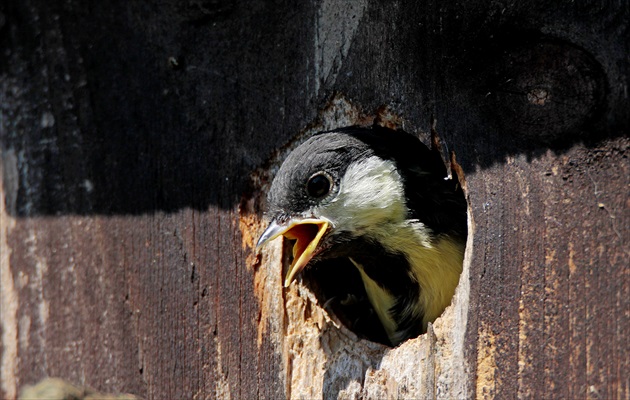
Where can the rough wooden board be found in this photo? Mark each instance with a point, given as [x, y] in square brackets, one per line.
[552, 279]
[129, 131]
[140, 192]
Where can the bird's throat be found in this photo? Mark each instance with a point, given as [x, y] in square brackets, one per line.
[382, 301]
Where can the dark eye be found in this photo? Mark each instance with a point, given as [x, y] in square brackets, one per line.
[319, 185]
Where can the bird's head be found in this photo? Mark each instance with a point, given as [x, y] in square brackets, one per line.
[331, 189]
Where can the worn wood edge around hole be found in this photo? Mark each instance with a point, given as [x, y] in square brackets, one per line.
[321, 357]
[454, 376]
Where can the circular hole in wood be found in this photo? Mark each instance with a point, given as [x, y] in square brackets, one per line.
[338, 284]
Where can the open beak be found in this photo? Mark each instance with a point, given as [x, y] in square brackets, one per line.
[307, 234]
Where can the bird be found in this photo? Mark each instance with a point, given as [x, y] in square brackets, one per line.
[381, 199]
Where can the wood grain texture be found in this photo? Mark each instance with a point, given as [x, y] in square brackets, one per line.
[554, 321]
[137, 138]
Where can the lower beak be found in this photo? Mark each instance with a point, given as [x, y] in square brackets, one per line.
[307, 234]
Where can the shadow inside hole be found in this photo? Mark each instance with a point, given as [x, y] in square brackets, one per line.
[338, 287]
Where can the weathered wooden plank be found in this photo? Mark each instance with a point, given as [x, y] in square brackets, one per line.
[147, 295]
[554, 311]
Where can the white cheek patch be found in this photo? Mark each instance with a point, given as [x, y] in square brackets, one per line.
[370, 193]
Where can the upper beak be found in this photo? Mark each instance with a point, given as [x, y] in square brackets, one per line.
[307, 234]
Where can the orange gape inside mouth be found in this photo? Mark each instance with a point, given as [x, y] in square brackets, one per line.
[307, 235]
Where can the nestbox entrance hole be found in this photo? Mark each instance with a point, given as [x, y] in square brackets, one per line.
[339, 289]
